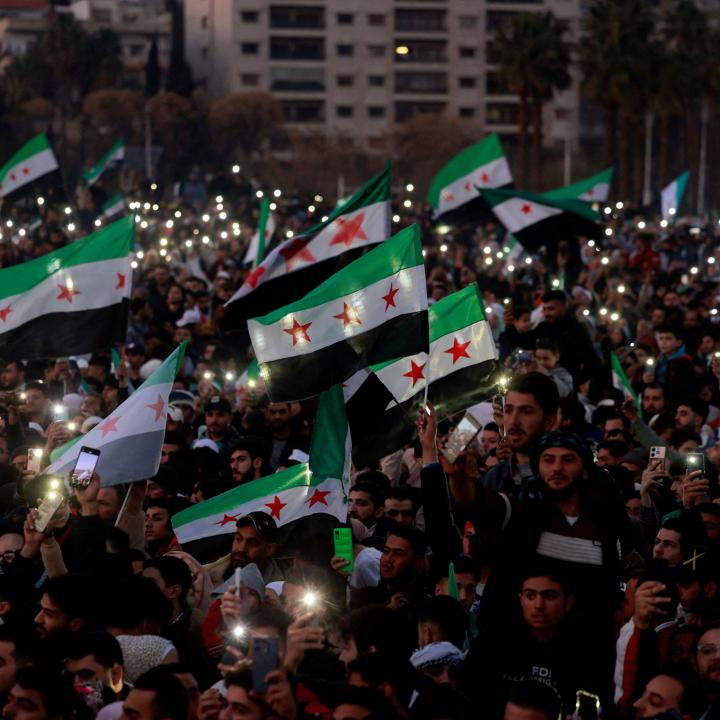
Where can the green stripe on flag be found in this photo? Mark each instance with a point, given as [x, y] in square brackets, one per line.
[622, 380]
[262, 226]
[400, 252]
[575, 190]
[93, 174]
[327, 451]
[30, 148]
[467, 160]
[114, 241]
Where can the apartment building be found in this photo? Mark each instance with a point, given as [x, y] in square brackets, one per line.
[357, 67]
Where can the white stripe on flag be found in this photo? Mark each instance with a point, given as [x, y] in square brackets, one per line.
[516, 214]
[494, 174]
[88, 286]
[326, 323]
[28, 170]
[597, 193]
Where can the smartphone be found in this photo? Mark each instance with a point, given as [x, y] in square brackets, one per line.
[460, 437]
[52, 500]
[61, 413]
[695, 461]
[264, 660]
[587, 706]
[343, 542]
[34, 460]
[84, 467]
[657, 456]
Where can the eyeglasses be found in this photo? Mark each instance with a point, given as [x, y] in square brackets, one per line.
[708, 650]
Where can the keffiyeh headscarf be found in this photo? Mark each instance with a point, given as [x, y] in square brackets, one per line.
[437, 653]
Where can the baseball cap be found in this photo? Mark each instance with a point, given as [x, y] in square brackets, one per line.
[217, 402]
[262, 522]
[182, 397]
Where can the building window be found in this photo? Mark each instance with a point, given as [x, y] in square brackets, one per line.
[250, 79]
[249, 16]
[376, 50]
[282, 16]
[345, 80]
[496, 85]
[344, 111]
[467, 112]
[407, 110]
[376, 111]
[204, 22]
[297, 48]
[345, 50]
[376, 19]
[467, 52]
[467, 82]
[420, 82]
[467, 22]
[345, 18]
[376, 80]
[501, 113]
[424, 51]
[497, 19]
[297, 79]
[303, 111]
[249, 48]
[419, 20]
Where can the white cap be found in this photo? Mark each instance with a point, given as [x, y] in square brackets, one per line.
[149, 367]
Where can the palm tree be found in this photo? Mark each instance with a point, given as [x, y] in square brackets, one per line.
[533, 59]
[618, 52]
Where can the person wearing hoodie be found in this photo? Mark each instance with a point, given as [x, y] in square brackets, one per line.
[547, 360]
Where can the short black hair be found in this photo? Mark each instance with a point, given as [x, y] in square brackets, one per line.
[379, 627]
[170, 695]
[173, 437]
[551, 295]
[372, 700]
[669, 329]
[376, 477]
[26, 646]
[58, 697]
[696, 404]
[541, 387]
[617, 448]
[101, 645]
[492, 427]
[253, 445]
[378, 668]
[415, 537]
[134, 600]
[533, 695]
[371, 489]
[461, 564]
[270, 617]
[173, 571]
[547, 344]
[683, 435]
[406, 492]
[36, 385]
[448, 614]
[73, 594]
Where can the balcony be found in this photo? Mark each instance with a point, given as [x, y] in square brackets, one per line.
[302, 18]
[420, 20]
[421, 83]
[294, 48]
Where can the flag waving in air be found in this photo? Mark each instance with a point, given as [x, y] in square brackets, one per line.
[480, 166]
[621, 381]
[299, 264]
[373, 310]
[671, 196]
[71, 301]
[130, 438]
[113, 156]
[382, 402]
[33, 160]
[319, 486]
[592, 189]
[265, 229]
[536, 220]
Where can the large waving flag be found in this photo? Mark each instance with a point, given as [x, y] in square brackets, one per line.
[592, 189]
[373, 310]
[318, 487]
[382, 402]
[621, 381]
[480, 166]
[536, 220]
[298, 265]
[265, 229]
[115, 155]
[130, 439]
[71, 301]
[671, 196]
[33, 160]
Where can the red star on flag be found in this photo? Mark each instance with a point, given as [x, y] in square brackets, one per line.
[295, 252]
[526, 208]
[276, 507]
[590, 192]
[120, 282]
[26, 171]
[158, 407]
[67, 292]
[13, 177]
[299, 332]
[253, 278]
[110, 425]
[448, 196]
[227, 519]
[415, 373]
[458, 350]
[484, 178]
[350, 229]
[5, 312]
[467, 187]
[390, 297]
[318, 497]
[349, 315]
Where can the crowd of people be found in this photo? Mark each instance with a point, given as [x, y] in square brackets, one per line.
[567, 562]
